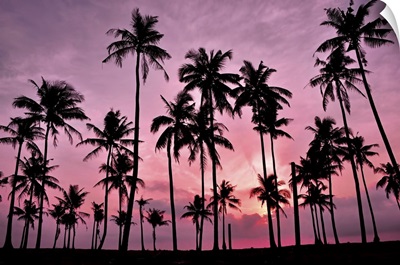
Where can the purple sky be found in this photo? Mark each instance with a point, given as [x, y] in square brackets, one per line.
[66, 40]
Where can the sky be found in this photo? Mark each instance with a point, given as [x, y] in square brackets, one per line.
[66, 40]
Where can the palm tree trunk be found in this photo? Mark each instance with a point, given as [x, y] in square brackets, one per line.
[93, 234]
[23, 237]
[73, 236]
[58, 234]
[332, 210]
[376, 236]
[26, 221]
[317, 224]
[171, 196]
[295, 205]
[154, 238]
[278, 222]
[203, 198]
[353, 167]
[65, 236]
[40, 222]
[120, 210]
[376, 115]
[197, 234]
[141, 226]
[322, 225]
[223, 229]
[129, 210]
[313, 224]
[69, 236]
[103, 238]
[8, 240]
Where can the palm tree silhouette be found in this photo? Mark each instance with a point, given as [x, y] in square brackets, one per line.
[57, 213]
[98, 217]
[390, 181]
[336, 78]
[142, 202]
[196, 210]
[361, 153]
[116, 128]
[225, 199]
[156, 218]
[58, 103]
[120, 220]
[204, 73]
[351, 28]
[176, 134]
[3, 181]
[21, 130]
[142, 40]
[29, 213]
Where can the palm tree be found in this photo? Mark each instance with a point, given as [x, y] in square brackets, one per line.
[225, 199]
[175, 135]
[336, 78]
[352, 29]
[29, 214]
[156, 218]
[142, 202]
[390, 181]
[142, 40]
[98, 217]
[21, 130]
[120, 221]
[262, 98]
[196, 210]
[73, 200]
[361, 153]
[3, 181]
[58, 103]
[57, 213]
[204, 73]
[116, 128]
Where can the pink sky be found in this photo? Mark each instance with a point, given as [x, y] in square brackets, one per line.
[66, 40]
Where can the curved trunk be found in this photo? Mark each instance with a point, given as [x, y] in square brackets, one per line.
[332, 210]
[103, 238]
[8, 240]
[376, 236]
[353, 167]
[120, 210]
[376, 115]
[129, 210]
[203, 197]
[171, 196]
[278, 222]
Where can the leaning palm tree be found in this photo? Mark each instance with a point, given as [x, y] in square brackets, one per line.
[225, 199]
[142, 202]
[196, 210]
[352, 29]
[21, 130]
[336, 78]
[142, 40]
[29, 213]
[112, 136]
[361, 153]
[204, 73]
[390, 181]
[98, 217]
[176, 134]
[156, 218]
[57, 213]
[58, 103]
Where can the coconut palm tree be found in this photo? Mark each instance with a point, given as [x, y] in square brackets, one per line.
[336, 78]
[112, 136]
[353, 29]
[142, 39]
[22, 131]
[142, 202]
[155, 217]
[196, 210]
[58, 103]
[120, 221]
[361, 153]
[176, 134]
[390, 181]
[204, 73]
[57, 213]
[98, 217]
[29, 213]
[225, 199]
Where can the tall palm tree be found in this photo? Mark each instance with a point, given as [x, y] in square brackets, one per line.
[196, 210]
[262, 98]
[142, 39]
[57, 213]
[204, 73]
[156, 218]
[225, 199]
[336, 78]
[58, 103]
[177, 131]
[29, 213]
[353, 29]
[390, 181]
[21, 130]
[142, 202]
[98, 217]
[73, 201]
[112, 136]
[361, 153]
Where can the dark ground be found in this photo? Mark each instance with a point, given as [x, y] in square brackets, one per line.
[345, 253]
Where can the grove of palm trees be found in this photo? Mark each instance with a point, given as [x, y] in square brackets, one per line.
[215, 127]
